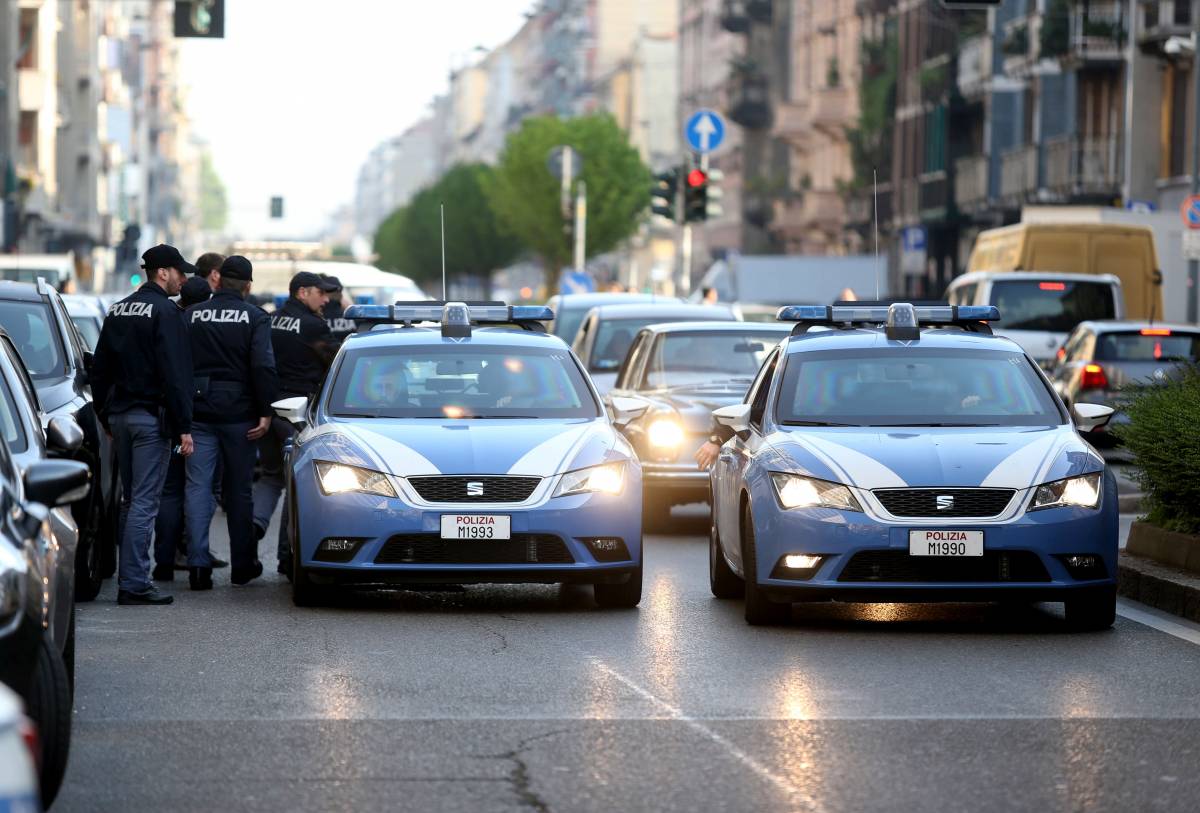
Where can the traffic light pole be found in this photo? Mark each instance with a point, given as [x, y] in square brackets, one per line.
[1193, 265]
[685, 255]
[580, 226]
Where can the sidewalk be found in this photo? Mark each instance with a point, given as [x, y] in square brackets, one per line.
[1170, 589]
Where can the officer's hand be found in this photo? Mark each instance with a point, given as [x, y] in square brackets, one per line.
[706, 455]
[259, 429]
[186, 447]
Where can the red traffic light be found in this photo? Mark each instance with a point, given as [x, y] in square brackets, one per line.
[697, 177]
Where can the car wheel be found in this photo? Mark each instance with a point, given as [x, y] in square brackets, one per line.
[68, 652]
[625, 595]
[89, 558]
[760, 610]
[1094, 611]
[50, 708]
[723, 582]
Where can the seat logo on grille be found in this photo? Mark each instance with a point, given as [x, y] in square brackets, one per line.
[945, 502]
[474, 489]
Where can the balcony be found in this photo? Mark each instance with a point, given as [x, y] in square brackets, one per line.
[734, 16]
[974, 66]
[933, 195]
[30, 89]
[1020, 47]
[831, 110]
[1098, 31]
[814, 210]
[749, 100]
[1019, 172]
[792, 120]
[1083, 166]
[971, 182]
[1163, 19]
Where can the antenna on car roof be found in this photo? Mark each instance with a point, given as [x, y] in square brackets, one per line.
[875, 192]
[442, 210]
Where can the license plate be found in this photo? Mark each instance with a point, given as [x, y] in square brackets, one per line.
[945, 543]
[476, 526]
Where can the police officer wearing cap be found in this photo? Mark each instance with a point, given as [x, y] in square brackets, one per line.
[141, 381]
[236, 384]
[335, 313]
[303, 346]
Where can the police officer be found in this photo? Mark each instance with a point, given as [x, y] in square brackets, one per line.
[142, 387]
[236, 384]
[335, 313]
[303, 346]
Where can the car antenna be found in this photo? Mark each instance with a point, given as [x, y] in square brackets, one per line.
[875, 192]
[442, 210]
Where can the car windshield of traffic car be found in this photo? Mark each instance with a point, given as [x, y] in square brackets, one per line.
[32, 331]
[1151, 344]
[910, 386]
[706, 360]
[567, 322]
[614, 337]
[10, 422]
[461, 382]
[89, 330]
[1051, 305]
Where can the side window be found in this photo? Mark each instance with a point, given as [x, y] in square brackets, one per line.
[31, 398]
[760, 389]
[70, 336]
[1072, 349]
[627, 376]
[581, 337]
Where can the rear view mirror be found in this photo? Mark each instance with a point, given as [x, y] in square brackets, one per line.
[1090, 417]
[749, 347]
[57, 482]
[457, 368]
[627, 410]
[735, 416]
[63, 435]
[292, 410]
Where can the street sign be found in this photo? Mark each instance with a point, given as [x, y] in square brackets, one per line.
[1141, 207]
[1191, 244]
[576, 282]
[1190, 212]
[705, 131]
[913, 250]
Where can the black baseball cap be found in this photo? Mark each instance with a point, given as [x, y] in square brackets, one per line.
[332, 280]
[164, 256]
[194, 291]
[307, 279]
[237, 267]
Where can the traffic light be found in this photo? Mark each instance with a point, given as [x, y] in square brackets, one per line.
[695, 196]
[665, 194]
[200, 18]
[276, 207]
[714, 194]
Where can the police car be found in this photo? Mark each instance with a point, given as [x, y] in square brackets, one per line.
[456, 443]
[906, 454]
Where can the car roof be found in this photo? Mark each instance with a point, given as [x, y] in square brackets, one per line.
[1113, 325]
[83, 305]
[19, 291]
[668, 310]
[708, 327]
[1031, 276]
[869, 337]
[589, 301]
[395, 336]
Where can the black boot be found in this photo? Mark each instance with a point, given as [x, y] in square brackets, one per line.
[246, 575]
[200, 578]
[164, 573]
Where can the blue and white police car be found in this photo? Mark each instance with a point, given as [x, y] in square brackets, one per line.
[901, 453]
[456, 443]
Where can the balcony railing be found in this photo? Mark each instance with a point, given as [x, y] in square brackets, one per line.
[823, 208]
[971, 181]
[933, 196]
[861, 204]
[750, 101]
[974, 66]
[791, 119]
[1098, 30]
[1018, 172]
[1083, 165]
[831, 109]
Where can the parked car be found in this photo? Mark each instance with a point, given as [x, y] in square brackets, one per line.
[1038, 310]
[18, 756]
[87, 312]
[36, 320]
[607, 332]
[569, 309]
[679, 373]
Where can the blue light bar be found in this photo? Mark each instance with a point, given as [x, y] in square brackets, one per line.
[878, 315]
[408, 313]
[532, 313]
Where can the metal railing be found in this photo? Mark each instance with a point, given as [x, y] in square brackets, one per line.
[1018, 171]
[971, 180]
[1081, 164]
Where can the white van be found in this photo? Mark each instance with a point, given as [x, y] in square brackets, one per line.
[1038, 310]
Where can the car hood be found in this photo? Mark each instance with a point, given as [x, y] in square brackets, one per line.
[694, 408]
[507, 446]
[964, 457]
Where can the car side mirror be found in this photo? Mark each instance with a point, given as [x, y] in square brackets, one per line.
[63, 435]
[293, 410]
[1090, 417]
[57, 482]
[88, 358]
[627, 410]
[735, 416]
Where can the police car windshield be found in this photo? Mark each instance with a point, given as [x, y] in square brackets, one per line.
[461, 382]
[914, 387]
[29, 326]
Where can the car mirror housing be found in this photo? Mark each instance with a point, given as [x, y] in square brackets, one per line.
[735, 416]
[627, 410]
[63, 435]
[292, 410]
[57, 482]
[1090, 417]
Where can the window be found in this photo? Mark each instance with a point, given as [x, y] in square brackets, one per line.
[628, 374]
[707, 360]
[10, 421]
[1053, 305]
[1149, 345]
[29, 326]
[89, 330]
[761, 390]
[614, 336]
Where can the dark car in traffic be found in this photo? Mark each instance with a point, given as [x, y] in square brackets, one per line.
[569, 309]
[681, 372]
[35, 318]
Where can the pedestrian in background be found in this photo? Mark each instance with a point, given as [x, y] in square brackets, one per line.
[335, 312]
[208, 267]
[236, 384]
[303, 346]
[141, 381]
[710, 296]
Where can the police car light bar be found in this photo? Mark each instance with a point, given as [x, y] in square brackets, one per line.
[455, 318]
[878, 314]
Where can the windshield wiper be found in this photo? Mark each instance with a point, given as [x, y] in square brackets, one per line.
[969, 425]
[819, 423]
[725, 383]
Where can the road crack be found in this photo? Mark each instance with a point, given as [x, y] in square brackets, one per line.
[519, 777]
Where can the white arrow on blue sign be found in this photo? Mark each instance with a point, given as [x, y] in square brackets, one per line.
[705, 130]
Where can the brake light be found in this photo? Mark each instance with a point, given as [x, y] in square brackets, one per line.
[1052, 286]
[1156, 331]
[1093, 378]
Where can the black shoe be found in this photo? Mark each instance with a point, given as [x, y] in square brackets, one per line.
[217, 564]
[200, 578]
[164, 573]
[245, 576]
[151, 596]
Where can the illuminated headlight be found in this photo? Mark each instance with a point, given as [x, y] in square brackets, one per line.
[606, 479]
[338, 478]
[665, 433]
[1080, 492]
[796, 491]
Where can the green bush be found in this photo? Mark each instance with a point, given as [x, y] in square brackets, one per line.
[1163, 434]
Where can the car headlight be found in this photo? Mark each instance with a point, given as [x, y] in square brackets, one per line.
[338, 478]
[665, 434]
[606, 479]
[1082, 492]
[796, 491]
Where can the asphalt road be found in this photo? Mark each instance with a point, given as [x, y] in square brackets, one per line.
[532, 699]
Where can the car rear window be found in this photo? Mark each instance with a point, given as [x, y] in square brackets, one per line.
[707, 359]
[615, 336]
[1053, 305]
[30, 326]
[1152, 344]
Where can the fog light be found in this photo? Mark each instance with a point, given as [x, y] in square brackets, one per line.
[608, 548]
[1084, 566]
[801, 561]
[1081, 561]
[337, 549]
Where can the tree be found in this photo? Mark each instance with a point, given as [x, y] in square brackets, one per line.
[525, 195]
[214, 204]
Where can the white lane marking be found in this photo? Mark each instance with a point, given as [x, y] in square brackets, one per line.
[865, 472]
[737, 753]
[1180, 628]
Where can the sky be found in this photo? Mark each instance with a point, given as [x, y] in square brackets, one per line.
[299, 91]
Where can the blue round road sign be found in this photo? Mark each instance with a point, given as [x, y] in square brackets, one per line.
[1191, 212]
[705, 130]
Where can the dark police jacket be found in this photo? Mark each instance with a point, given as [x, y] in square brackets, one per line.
[303, 348]
[143, 360]
[339, 325]
[234, 363]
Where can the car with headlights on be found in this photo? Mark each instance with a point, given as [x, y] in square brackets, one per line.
[674, 376]
[460, 444]
[900, 453]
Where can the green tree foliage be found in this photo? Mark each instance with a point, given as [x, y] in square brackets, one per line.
[214, 203]
[871, 140]
[525, 195]
[409, 241]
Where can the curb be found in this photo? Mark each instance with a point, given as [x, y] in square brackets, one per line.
[1165, 588]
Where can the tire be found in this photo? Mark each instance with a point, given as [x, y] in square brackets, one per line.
[621, 596]
[1095, 611]
[723, 582]
[50, 708]
[759, 610]
[68, 652]
[304, 592]
[89, 558]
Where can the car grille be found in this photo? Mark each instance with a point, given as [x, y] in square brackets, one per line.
[900, 566]
[923, 502]
[431, 549]
[495, 489]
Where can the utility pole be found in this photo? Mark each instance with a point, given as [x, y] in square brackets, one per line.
[1194, 265]
[580, 226]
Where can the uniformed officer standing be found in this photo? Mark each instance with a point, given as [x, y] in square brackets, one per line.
[141, 381]
[303, 346]
[335, 313]
[236, 384]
